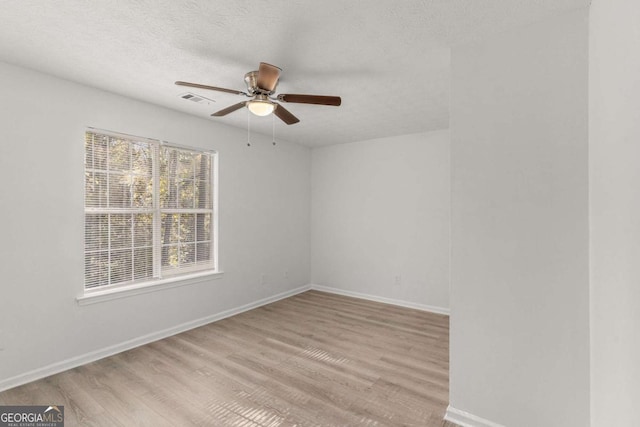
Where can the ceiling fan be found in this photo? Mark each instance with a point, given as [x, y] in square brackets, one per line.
[261, 87]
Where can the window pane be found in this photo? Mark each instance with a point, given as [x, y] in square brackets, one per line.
[143, 230]
[88, 150]
[187, 228]
[186, 194]
[203, 195]
[119, 190]
[168, 188]
[187, 254]
[203, 252]
[95, 187]
[96, 232]
[142, 189]
[121, 266]
[143, 259]
[203, 167]
[170, 256]
[96, 269]
[203, 227]
[120, 229]
[142, 160]
[185, 165]
[96, 156]
[170, 228]
[119, 155]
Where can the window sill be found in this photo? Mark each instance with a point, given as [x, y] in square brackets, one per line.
[96, 296]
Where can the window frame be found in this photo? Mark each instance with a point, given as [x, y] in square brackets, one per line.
[159, 280]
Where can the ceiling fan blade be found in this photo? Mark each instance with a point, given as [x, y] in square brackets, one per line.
[228, 110]
[219, 89]
[284, 115]
[310, 99]
[268, 76]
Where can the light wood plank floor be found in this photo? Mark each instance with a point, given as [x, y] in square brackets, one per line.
[315, 359]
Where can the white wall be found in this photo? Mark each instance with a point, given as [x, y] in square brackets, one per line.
[380, 209]
[264, 221]
[519, 266]
[614, 161]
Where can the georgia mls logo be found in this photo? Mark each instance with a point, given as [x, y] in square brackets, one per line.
[53, 408]
[32, 416]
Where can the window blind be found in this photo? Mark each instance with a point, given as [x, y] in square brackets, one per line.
[148, 210]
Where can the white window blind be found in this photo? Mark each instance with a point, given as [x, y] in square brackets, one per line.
[149, 210]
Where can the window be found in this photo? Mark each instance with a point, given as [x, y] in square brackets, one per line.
[149, 210]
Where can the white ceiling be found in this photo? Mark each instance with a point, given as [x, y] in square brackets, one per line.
[387, 59]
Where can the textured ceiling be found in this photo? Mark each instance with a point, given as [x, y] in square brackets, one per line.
[387, 59]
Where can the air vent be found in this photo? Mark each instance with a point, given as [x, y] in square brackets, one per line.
[196, 98]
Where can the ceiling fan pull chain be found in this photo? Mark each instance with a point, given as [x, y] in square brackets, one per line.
[273, 129]
[248, 128]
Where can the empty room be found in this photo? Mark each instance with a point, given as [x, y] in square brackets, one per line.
[296, 213]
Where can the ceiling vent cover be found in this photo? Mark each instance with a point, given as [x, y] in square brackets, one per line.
[199, 99]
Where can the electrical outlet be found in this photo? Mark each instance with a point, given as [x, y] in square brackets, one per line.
[263, 279]
[286, 274]
[398, 280]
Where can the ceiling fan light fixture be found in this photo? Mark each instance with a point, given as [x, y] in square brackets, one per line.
[261, 106]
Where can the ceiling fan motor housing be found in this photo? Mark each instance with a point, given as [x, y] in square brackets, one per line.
[251, 79]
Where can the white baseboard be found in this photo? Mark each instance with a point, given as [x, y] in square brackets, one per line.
[465, 419]
[401, 303]
[83, 359]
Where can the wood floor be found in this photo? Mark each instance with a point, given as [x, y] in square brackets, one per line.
[315, 359]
